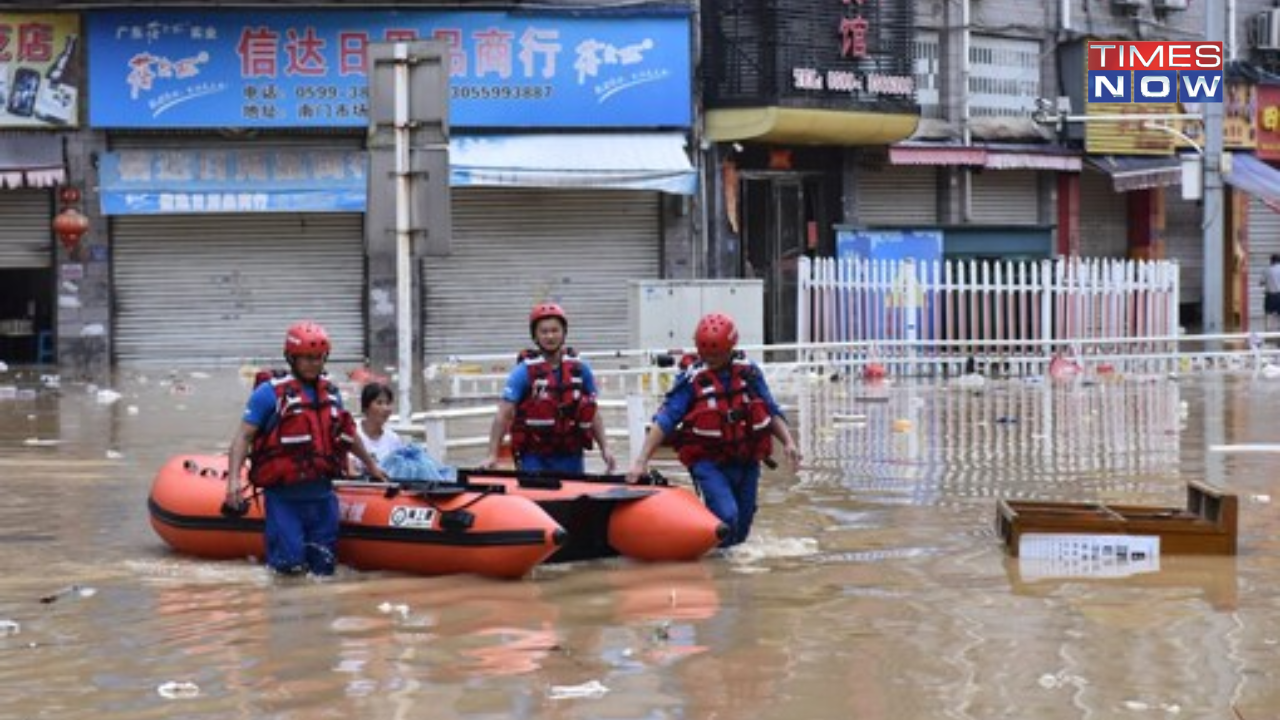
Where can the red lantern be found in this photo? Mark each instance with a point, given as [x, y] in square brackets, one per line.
[70, 225]
[69, 195]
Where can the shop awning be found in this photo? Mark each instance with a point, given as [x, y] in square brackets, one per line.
[159, 181]
[31, 160]
[617, 161]
[1139, 173]
[984, 156]
[1254, 177]
[806, 126]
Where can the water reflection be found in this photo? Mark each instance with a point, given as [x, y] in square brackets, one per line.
[875, 588]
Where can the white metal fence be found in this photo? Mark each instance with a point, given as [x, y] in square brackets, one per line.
[933, 317]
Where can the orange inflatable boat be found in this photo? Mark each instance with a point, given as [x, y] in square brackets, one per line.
[427, 530]
[605, 516]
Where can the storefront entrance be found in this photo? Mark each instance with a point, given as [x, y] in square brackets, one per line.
[781, 217]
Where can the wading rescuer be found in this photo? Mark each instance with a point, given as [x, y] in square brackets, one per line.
[723, 420]
[297, 436]
[549, 403]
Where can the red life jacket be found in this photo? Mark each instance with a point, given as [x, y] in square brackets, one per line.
[556, 415]
[724, 423]
[308, 440]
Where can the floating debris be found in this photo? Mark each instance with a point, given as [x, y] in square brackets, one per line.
[9, 627]
[400, 609]
[179, 690]
[76, 590]
[107, 396]
[593, 689]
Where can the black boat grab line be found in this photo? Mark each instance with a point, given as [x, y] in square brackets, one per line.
[552, 480]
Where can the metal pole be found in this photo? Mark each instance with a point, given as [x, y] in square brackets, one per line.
[1214, 262]
[404, 240]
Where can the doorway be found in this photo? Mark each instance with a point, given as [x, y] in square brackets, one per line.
[781, 221]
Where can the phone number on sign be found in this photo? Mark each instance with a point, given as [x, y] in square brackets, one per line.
[500, 92]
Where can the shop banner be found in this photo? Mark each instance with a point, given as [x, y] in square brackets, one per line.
[147, 182]
[1269, 122]
[175, 69]
[39, 70]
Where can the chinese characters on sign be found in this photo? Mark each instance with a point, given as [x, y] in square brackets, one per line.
[854, 45]
[39, 70]
[142, 181]
[291, 69]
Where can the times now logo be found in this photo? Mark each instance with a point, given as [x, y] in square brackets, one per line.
[1156, 71]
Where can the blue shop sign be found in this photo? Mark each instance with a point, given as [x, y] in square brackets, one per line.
[176, 69]
[144, 182]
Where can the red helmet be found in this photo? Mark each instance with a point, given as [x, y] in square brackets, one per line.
[542, 311]
[716, 333]
[306, 338]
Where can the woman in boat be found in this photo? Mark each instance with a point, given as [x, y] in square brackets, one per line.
[377, 402]
[549, 403]
[724, 420]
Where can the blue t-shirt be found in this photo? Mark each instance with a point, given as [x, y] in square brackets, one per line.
[260, 412]
[680, 397]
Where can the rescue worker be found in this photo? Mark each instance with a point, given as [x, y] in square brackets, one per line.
[549, 403]
[297, 436]
[723, 420]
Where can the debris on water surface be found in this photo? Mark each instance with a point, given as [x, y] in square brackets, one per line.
[9, 627]
[592, 689]
[76, 590]
[178, 690]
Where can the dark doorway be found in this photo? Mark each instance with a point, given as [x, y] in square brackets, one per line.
[26, 315]
[782, 214]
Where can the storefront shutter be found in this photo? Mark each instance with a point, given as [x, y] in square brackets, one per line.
[1184, 242]
[219, 289]
[1264, 241]
[897, 196]
[515, 247]
[1104, 218]
[26, 234]
[1005, 197]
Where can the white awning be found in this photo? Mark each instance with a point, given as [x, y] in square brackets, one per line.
[619, 161]
[31, 160]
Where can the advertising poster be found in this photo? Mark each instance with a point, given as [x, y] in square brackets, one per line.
[40, 61]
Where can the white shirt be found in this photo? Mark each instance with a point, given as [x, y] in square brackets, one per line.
[1272, 278]
[380, 449]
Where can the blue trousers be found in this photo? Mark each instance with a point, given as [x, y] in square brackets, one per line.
[574, 464]
[729, 490]
[302, 534]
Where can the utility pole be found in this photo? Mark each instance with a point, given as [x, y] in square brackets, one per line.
[1213, 312]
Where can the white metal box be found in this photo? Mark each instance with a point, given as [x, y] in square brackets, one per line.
[662, 314]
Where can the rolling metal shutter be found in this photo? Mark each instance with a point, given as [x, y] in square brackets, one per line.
[898, 196]
[1264, 241]
[221, 289]
[1104, 218]
[1005, 197]
[26, 234]
[1184, 242]
[515, 247]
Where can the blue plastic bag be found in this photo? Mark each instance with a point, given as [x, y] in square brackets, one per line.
[412, 462]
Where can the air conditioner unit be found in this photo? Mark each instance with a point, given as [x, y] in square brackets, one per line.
[1167, 5]
[1264, 30]
[1128, 5]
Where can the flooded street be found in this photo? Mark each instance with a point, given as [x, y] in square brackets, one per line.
[874, 586]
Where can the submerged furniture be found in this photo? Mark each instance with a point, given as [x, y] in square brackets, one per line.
[1206, 526]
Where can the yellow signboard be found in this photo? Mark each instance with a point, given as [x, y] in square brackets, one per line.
[40, 63]
[1124, 136]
